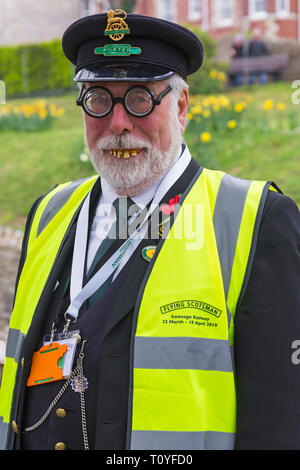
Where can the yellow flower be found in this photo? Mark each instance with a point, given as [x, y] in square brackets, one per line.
[268, 104]
[194, 99]
[206, 102]
[281, 106]
[43, 113]
[189, 116]
[221, 76]
[239, 107]
[213, 74]
[231, 124]
[56, 112]
[224, 101]
[60, 112]
[205, 137]
[196, 109]
[216, 107]
[206, 113]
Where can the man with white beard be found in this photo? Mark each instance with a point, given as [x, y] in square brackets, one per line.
[157, 302]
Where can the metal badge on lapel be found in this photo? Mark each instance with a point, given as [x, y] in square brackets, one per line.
[116, 27]
[148, 252]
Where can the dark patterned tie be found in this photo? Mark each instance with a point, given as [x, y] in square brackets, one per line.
[119, 227]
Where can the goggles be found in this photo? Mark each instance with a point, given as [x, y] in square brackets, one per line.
[139, 101]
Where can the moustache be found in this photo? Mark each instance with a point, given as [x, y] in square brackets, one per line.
[121, 142]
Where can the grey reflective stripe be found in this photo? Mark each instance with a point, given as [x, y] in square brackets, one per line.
[3, 433]
[171, 440]
[57, 202]
[14, 343]
[228, 213]
[182, 353]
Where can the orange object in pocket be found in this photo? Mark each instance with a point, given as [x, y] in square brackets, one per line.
[45, 366]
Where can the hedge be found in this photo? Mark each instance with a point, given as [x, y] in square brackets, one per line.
[202, 81]
[34, 68]
[39, 68]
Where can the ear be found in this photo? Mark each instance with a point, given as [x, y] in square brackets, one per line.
[183, 103]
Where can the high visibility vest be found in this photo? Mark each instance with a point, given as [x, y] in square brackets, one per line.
[182, 387]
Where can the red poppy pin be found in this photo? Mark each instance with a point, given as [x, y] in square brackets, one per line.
[169, 208]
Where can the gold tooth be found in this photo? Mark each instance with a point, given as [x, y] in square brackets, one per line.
[124, 153]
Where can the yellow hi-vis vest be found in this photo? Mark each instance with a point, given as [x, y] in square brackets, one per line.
[182, 387]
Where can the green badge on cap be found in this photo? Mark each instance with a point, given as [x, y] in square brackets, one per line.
[117, 50]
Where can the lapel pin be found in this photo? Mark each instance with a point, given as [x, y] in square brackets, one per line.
[148, 252]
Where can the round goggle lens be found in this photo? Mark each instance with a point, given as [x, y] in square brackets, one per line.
[98, 102]
[138, 101]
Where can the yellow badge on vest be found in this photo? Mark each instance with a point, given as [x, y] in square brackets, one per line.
[148, 252]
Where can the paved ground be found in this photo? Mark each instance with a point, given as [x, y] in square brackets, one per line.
[10, 245]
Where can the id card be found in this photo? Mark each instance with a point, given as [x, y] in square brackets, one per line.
[71, 339]
[54, 360]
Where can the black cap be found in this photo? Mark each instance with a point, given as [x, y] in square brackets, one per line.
[114, 46]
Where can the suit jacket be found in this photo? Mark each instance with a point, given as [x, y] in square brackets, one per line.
[268, 383]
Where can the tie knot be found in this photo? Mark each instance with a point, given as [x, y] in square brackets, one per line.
[122, 206]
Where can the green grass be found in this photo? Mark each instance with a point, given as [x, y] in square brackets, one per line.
[264, 146]
[33, 162]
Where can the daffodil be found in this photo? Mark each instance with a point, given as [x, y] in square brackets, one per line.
[213, 74]
[224, 101]
[268, 104]
[221, 76]
[206, 102]
[196, 109]
[43, 113]
[281, 106]
[239, 107]
[231, 124]
[205, 137]
[206, 113]
[60, 112]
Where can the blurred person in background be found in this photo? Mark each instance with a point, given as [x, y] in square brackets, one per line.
[258, 48]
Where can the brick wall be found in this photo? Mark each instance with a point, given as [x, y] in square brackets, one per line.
[274, 26]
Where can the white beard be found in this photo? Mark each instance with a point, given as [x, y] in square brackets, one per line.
[134, 175]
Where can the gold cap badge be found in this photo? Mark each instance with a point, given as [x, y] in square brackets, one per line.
[116, 27]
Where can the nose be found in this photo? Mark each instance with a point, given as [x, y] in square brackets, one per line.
[120, 121]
